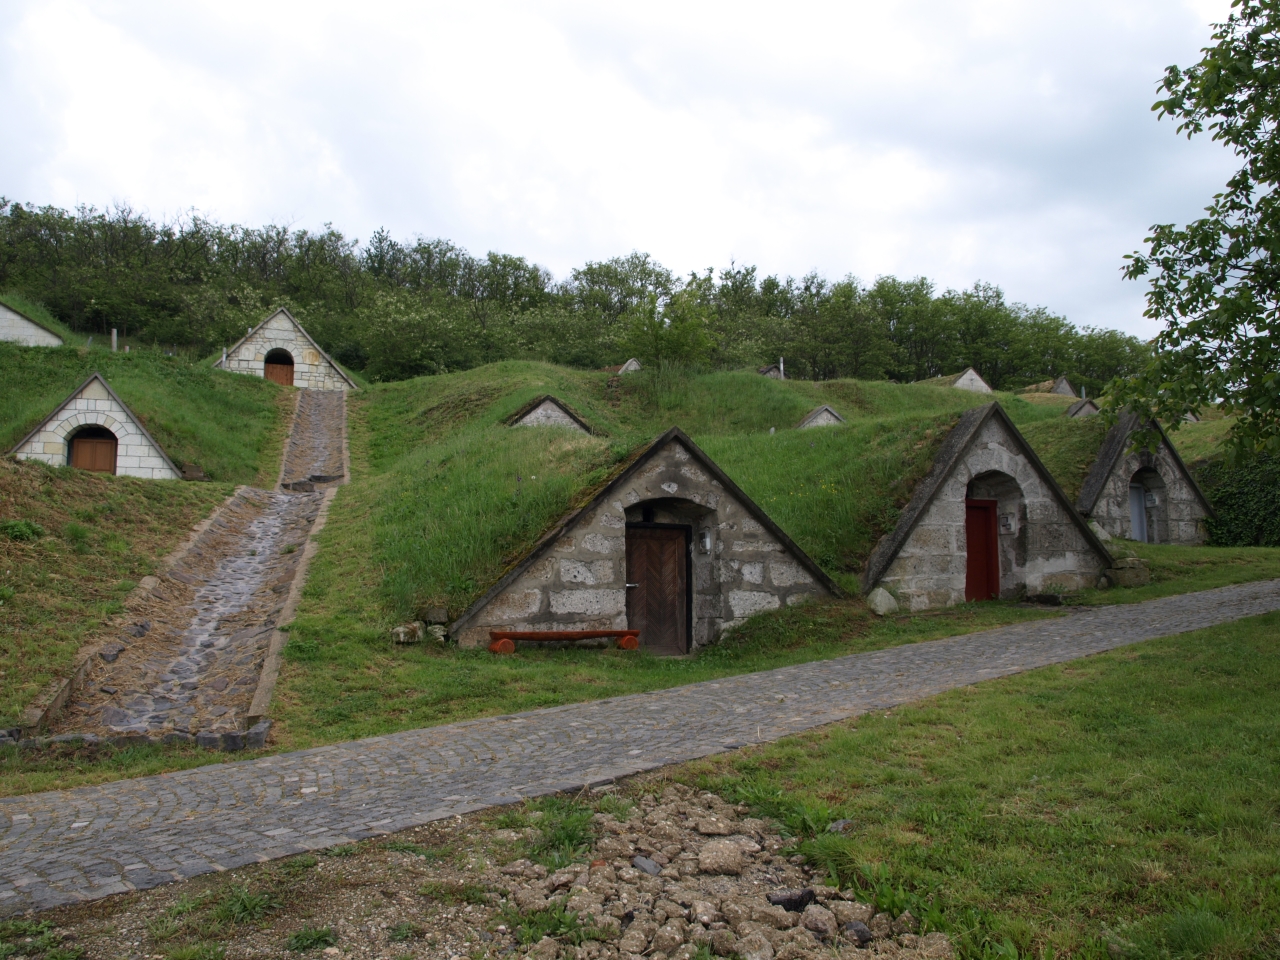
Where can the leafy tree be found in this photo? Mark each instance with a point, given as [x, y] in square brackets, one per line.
[1215, 283]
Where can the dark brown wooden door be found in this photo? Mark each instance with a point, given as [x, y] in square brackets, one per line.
[982, 541]
[280, 373]
[658, 603]
[94, 453]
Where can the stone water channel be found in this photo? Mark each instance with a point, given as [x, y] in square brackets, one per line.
[189, 660]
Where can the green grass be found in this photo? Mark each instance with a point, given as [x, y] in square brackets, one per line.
[308, 938]
[1128, 799]
[229, 424]
[1068, 448]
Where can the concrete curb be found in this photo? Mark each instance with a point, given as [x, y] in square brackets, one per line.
[271, 664]
[45, 708]
[284, 448]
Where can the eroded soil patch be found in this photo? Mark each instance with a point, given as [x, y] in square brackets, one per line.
[654, 869]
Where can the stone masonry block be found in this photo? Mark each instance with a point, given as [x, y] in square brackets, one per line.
[593, 602]
[744, 603]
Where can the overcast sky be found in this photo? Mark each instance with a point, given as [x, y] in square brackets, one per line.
[962, 140]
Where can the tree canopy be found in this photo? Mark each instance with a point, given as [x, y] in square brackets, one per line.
[1215, 283]
[395, 309]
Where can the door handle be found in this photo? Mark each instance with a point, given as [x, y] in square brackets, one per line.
[632, 585]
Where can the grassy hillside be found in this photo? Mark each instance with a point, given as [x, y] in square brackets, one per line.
[454, 496]
[227, 423]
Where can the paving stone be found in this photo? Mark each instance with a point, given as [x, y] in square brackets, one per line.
[208, 818]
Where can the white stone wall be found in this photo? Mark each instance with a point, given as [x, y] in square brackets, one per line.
[969, 380]
[1178, 517]
[548, 414]
[136, 456]
[16, 328]
[823, 418]
[310, 369]
[1041, 551]
[580, 583]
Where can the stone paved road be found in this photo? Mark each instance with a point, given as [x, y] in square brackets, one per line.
[315, 441]
[73, 845]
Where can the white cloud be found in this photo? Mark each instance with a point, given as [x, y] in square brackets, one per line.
[958, 139]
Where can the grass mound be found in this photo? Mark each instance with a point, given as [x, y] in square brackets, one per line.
[228, 424]
[453, 496]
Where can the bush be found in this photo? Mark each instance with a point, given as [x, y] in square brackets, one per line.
[22, 530]
[1246, 497]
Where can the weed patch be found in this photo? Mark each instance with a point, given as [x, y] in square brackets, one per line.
[308, 938]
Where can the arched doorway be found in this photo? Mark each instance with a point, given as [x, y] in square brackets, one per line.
[279, 367]
[1147, 507]
[993, 524]
[93, 448]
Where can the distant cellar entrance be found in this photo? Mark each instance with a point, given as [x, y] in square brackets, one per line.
[93, 448]
[279, 367]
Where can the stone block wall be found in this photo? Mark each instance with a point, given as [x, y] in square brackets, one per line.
[136, 455]
[579, 581]
[1041, 548]
[1179, 514]
[969, 380]
[823, 418]
[310, 368]
[548, 414]
[16, 328]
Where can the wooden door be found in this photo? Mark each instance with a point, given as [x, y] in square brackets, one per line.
[982, 541]
[94, 453]
[280, 373]
[658, 587]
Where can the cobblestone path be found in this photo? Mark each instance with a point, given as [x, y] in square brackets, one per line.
[314, 455]
[190, 658]
[63, 846]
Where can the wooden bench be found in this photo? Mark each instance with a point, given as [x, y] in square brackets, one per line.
[504, 641]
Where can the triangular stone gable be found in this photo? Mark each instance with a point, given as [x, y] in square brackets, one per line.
[548, 411]
[1048, 546]
[1082, 408]
[823, 416]
[1180, 510]
[17, 327]
[967, 379]
[575, 577]
[312, 367]
[94, 403]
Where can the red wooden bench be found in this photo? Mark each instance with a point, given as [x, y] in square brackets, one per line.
[504, 641]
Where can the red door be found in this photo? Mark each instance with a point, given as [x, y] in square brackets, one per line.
[658, 587]
[982, 540]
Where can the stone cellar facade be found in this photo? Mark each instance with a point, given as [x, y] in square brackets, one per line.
[671, 509]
